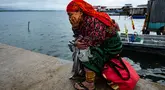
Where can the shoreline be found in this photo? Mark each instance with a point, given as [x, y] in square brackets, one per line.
[26, 70]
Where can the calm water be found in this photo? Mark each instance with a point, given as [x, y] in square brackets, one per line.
[50, 32]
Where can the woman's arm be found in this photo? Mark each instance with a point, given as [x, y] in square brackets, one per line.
[94, 33]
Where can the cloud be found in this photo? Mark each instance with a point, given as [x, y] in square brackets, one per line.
[61, 4]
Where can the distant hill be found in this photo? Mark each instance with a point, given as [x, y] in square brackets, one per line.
[11, 9]
[27, 10]
[6, 8]
[3, 9]
[22, 10]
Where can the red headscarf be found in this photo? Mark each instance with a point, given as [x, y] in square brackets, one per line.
[75, 5]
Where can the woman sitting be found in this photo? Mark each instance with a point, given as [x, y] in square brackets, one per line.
[96, 34]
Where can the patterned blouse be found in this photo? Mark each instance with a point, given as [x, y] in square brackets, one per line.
[93, 32]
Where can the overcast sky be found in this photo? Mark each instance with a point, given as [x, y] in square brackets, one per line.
[61, 4]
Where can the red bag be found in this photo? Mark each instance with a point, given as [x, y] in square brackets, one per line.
[121, 73]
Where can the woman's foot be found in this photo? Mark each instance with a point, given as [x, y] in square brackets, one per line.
[84, 86]
[77, 77]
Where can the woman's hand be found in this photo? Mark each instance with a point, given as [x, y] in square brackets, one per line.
[81, 45]
[74, 22]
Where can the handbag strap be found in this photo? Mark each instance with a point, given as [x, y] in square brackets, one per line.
[115, 66]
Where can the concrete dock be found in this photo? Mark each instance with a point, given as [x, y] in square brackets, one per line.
[25, 70]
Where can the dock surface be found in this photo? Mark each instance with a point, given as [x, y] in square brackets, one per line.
[25, 70]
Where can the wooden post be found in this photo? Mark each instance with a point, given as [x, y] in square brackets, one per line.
[119, 16]
[29, 26]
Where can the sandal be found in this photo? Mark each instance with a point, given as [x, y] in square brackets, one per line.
[82, 86]
[76, 77]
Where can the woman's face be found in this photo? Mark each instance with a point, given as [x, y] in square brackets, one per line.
[75, 18]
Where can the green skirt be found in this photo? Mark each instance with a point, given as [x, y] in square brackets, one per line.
[101, 54]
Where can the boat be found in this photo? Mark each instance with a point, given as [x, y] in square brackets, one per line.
[138, 16]
[138, 12]
[113, 13]
[150, 49]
